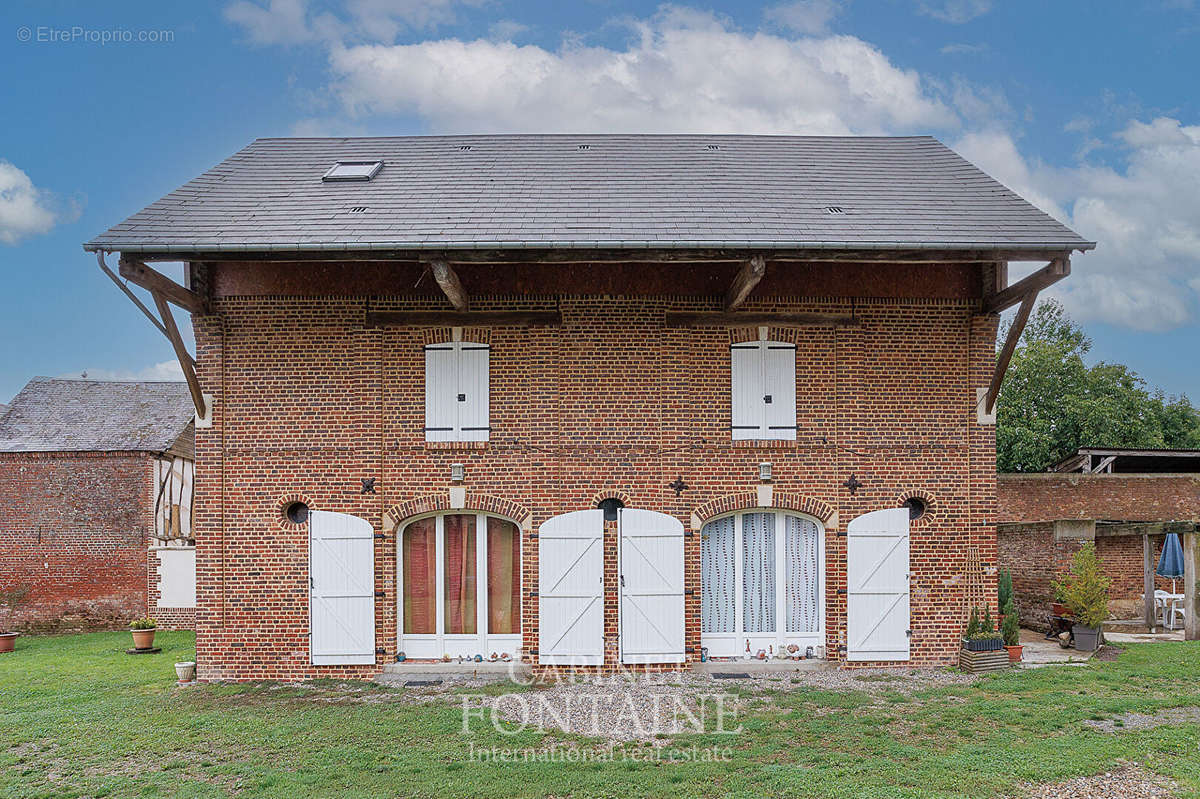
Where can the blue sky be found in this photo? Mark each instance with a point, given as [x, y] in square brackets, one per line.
[1088, 109]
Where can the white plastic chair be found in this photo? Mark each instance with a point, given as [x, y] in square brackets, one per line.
[1162, 605]
[1175, 612]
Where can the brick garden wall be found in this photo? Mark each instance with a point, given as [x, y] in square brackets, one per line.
[1028, 504]
[73, 531]
[308, 402]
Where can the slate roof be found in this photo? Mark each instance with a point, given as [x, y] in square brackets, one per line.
[55, 415]
[593, 191]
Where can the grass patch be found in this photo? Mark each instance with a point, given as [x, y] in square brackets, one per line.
[81, 718]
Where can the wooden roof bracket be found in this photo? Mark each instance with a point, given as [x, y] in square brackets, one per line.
[1025, 292]
[452, 287]
[164, 291]
[752, 271]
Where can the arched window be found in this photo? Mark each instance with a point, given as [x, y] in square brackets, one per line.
[460, 586]
[762, 583]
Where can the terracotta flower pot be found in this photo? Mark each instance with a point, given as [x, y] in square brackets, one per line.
[8, 642]
[143, 639]
[1014, 652]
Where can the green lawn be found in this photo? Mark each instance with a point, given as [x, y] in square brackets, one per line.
[78, 717]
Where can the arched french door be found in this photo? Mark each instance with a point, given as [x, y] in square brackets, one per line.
[459, 586]
[762, 575]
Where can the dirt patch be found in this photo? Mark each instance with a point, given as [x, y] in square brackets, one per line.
[1127, 782]
[1108, 653]
[1132, 722]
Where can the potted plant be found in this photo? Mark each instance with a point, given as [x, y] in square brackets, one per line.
[1085, 593]
[1011, 632]
[143, 632]
[981, 635]
[11, 598]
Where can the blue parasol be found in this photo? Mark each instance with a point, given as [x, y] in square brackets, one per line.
[1170, 564]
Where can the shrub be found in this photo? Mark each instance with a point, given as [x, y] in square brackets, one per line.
[1085, 588]
[987, 624]
[973, 624]
[1004, 589]
[1010, 628]
[143, 624]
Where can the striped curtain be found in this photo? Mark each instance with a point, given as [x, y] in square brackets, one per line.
[800, 550]
[717, 597]
[758, 573]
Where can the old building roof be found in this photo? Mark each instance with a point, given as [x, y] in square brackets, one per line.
[53, 415]
[592, 191]
[1123, 460]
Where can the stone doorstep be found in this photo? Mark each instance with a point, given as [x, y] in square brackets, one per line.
[780, 667]
[399, 673]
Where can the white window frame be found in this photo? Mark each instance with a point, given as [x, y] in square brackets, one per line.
[431, 646]
[734, 644]
[763, 430]
[457, 431]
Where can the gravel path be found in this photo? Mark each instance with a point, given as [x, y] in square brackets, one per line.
[1130, 722]
[1128, 782]
[645, 707]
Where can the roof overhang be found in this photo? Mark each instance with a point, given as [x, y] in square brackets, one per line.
[590, 252]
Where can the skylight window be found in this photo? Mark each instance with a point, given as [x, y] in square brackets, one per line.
[353, 170]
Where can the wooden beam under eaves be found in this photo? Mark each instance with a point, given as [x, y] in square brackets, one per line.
[738, 319]
[155, 282]
[468, 319]
[1047, 276]
[185, 360]
[1006, 352]
[451, 286]
[745, 280]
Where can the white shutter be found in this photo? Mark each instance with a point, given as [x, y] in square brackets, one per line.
[746, 374]
[571, 589]
[877, 578]
[651, 580]
[341, 570]
[473, 385]
[779, 368]
[441, 408]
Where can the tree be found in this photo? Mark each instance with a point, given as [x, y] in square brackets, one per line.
[1052, 403]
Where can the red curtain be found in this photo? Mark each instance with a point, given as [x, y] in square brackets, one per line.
[504, 577]
[460, 575]
[420, 578]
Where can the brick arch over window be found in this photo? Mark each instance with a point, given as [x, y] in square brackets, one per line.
[783, 500]
[285, 502]
[926, 497]
[614, 493]
[440, 335]
[479, 503]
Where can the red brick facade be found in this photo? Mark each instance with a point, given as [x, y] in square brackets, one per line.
[1030, 504]
[308, 401]
[74, 528]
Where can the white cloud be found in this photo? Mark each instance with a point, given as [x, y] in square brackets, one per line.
[804, 16]
[962, 48]
[167, 370]
[1145, 274]
[955, 11]
[682, 71]
[25, 210]
[295, 22]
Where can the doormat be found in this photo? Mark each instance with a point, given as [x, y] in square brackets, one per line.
[730, 675]
[420, 683]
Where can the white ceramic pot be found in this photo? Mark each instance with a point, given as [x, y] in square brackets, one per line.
[186, 671]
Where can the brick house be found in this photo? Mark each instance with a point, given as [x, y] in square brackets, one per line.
[1123, 500]
[95, 487]
[589, 400]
